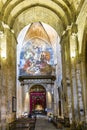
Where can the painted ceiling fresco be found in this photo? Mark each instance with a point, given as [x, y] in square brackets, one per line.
[36, 58]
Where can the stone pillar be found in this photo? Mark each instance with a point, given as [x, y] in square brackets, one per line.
[76, 79]
[52, 95]
[55, 100]
[49, 97]
[10, 76]
[64, 73]
[1, 33]
[69, 91]
[49, 100]
[3, 94]
[23, 97]
[84, 79]
[19, 100]
[26, 99]
[68, 77]
[73, 45]
[7, 77]
[3, 84]
[80, 91]
[69, 44]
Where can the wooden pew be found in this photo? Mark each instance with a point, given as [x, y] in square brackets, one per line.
[22, 124]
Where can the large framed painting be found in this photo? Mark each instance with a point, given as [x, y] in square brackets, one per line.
[13, 104]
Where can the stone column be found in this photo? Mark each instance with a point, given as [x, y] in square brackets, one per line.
[68, 76]
[10, 75]
[26, 99]
[48, 99]
[84, 81]
[76, 78]
[19, 100]
[80, 90]
[69, 91]
[73, 48]
[23, 97]
[3, 84]
[72, 82]
[1, 33]
[3, 95]
[64, 73]
[52, 95]
[55, 100]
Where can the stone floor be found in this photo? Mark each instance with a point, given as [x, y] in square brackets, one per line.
[42, 123]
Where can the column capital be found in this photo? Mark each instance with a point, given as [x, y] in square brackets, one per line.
[70, 31]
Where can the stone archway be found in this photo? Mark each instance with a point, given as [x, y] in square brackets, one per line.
[46, 38]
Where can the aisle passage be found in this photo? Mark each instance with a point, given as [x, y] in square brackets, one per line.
[43, 124]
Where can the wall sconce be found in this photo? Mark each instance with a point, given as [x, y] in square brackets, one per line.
[3, 46]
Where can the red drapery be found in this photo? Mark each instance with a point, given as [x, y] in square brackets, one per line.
[37, 99]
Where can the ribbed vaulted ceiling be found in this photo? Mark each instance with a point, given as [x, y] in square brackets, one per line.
[57, 13]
